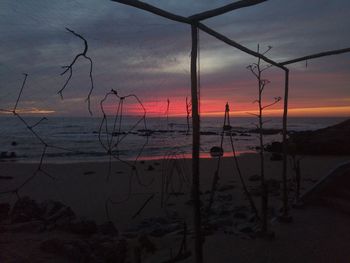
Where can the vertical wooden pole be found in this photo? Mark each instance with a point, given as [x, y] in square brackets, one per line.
[195, 148]
[285, 147]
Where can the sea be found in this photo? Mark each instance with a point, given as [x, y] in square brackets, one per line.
[87, 139]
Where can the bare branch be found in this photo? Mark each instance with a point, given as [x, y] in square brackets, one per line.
[277, 99]
[69, 68]
[20, 92]
[143, 206]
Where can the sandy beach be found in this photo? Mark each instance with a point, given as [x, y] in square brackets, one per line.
[316, 234]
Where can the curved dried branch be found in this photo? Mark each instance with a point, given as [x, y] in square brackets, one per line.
[20, 92]
[277, 99]
[69, 69]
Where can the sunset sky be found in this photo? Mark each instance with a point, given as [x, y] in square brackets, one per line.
[135, 52]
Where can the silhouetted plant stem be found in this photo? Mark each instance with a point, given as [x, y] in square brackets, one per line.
[257, 69]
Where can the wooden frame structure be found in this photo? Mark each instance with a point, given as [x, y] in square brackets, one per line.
[195, 22]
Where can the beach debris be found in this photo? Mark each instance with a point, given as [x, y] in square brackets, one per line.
[266, 131]
[240, 215]
[108, 229]
[82, 227]
[227, 127]
[190, 202]
[245, 228]
[76, 250]
[143, 206]
[216, 151]
[275, 147]
[8, 155]
[224, 197]
[230, 133]
[25, 209]
[34, 226]
[155, 227]
[276, 157]
[6, 177]
[89, 172]
[272, 185]
[226, 188]
[183, 252]
[254, 178]
[146, 244]
[4, 211]
[208, 133]
[56, 213]
[150, 168]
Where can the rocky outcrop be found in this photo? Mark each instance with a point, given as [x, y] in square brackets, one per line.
[333, 140]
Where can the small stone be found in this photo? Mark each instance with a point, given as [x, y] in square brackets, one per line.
[107, 251]
[276, 157]
[6, 177]
[83, 227]
[226, 188]
[245, 228]
[27, 227]
[4, 211]
[254, 178]
[240, 215]
[14, 143]
[77, 250]
[24, 210]
[285, 218]
[226, 198]
[146, 244]
[108, 229]
[53, 246]
[56, 214]
[89, 172]
[150, 168]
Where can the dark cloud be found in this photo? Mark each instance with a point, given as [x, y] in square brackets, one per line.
[141, 53]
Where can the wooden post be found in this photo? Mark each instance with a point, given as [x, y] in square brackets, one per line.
[195, 148]
[285, 147]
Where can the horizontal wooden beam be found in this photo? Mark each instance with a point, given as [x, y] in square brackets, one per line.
[192, 20]
[154, 10]
[318, 55]
[225, 9]
[236, 45]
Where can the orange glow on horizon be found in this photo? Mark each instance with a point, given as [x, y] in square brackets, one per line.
[216, 108]
[29, 111]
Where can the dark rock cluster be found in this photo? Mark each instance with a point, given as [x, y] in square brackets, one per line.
[80, 240]
[333, 140]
